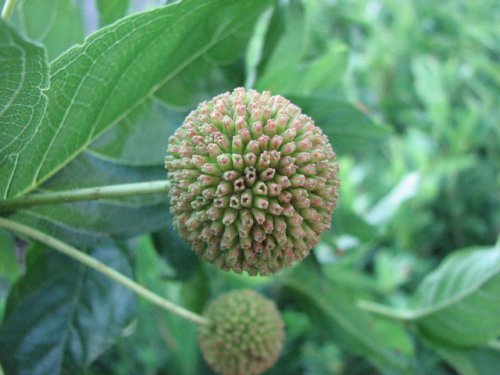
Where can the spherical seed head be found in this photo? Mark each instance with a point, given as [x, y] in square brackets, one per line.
[246, 335]
[253, 181]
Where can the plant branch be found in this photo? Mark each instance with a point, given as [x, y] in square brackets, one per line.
[8, 8]
[103, 269]
[94, 193]
[386, 311]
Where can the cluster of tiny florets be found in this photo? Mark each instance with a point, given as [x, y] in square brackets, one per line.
[246, 335]
[253, 181]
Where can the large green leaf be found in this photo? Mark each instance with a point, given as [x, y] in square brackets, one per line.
[459, 303]
[95, 85]
[24, 80]
[141, 138]
[219, 70]
[90, 224]
[95, 222]
[58, 24]
[61, 315]
[348, 128]
[333, 311]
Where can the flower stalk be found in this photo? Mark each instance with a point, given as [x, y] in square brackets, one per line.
[103, 269]
[85, 194]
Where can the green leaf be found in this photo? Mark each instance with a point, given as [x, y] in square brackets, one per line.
[459, 303]
[334, 312]
[25, 79]
[177, 252]
[9, 265]
[145, 348]
[324, 74]
[61, 316]
[348, 128]
[96, 222]
[288, 70]
[271, 39]
[385, 209]
[118, 68]
[218, 71]
[280, 71]
[475, 361]
[200, 81]
[58, 24]
[431, 89]
[196, 290]
[141, 138]
[346, 221]
[111, 10]
[181, 340]
[253, 55]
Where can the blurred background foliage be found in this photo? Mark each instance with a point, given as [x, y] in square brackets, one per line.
[408, 93]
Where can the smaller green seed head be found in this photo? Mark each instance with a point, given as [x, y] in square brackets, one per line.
[246, 335]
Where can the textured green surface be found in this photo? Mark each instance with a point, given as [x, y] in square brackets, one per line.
[246, 336]
[253, 181]
[24, 81]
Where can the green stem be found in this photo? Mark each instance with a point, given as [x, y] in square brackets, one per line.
[103, 269]
[111, 191]
[386, 311]
[8, 8]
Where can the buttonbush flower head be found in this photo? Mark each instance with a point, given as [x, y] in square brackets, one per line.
[253, 181]
[246, 335]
